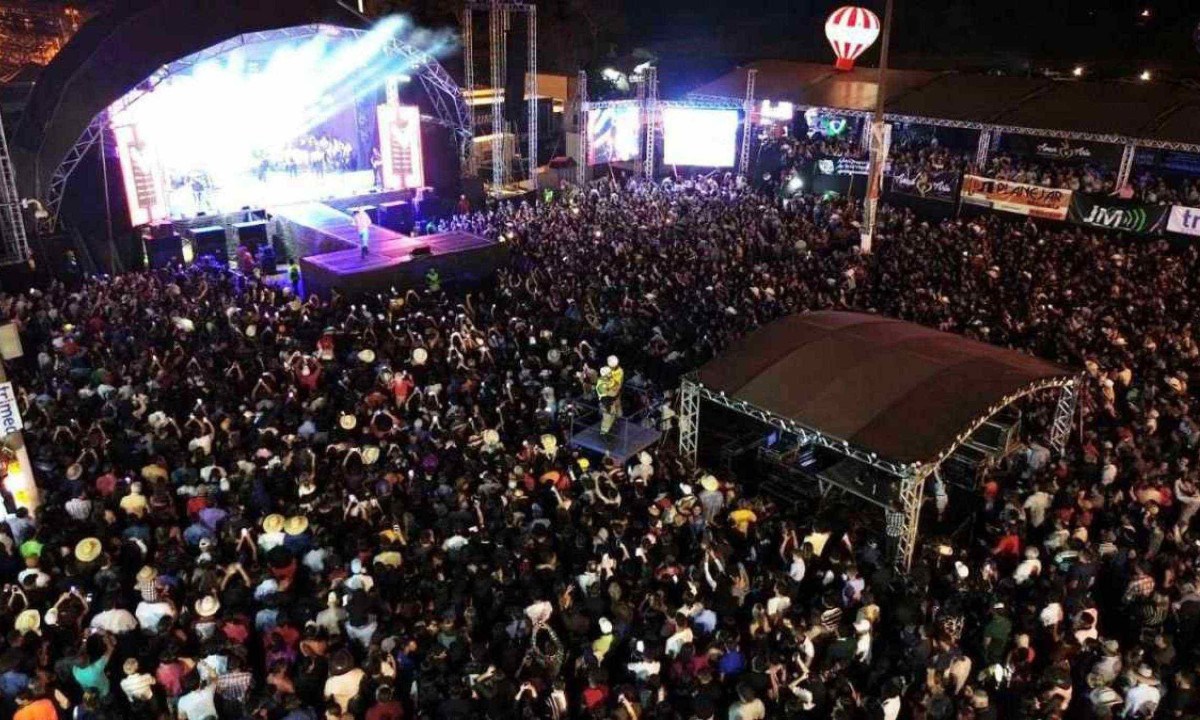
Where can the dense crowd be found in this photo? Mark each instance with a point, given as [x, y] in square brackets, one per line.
[918, 153]
[262, 505]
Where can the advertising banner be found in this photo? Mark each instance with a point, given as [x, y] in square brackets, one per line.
[10, 414]
[400, 146]
[1184, 220]
[937, 185]
[1015, 197]
[145, 190]
[1104, 211]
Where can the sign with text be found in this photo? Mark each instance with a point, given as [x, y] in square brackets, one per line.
[1015, 197]
[936, 185]
[400, 146]
[1184, 220]
[10, 414]
[1110, 213]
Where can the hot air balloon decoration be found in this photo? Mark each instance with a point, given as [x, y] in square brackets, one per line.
[851, 30]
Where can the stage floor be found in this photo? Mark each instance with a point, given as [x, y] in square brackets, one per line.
[390, 261]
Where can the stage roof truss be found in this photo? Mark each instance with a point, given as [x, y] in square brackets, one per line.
[449, 104]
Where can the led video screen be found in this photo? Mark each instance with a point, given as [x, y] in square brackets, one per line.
[701, 138]
[614, 134]
[400, 146]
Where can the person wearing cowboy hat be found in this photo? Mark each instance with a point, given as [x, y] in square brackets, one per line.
[608, 392]
[137, 686]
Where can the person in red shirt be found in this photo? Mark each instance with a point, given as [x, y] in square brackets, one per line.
[386, 707]
[595, 695]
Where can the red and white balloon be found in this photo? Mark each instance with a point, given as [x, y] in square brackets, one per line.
[851, 30]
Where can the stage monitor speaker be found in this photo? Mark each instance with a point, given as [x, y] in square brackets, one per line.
[421, 251]
[252, 234]
[160, 230]
[210, 241]
[397, 216]
[164, 252]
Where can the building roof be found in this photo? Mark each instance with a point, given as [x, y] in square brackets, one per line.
[1152, 113]
[902, 391]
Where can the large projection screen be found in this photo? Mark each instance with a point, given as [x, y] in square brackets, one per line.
[701, 138]
[614, 134]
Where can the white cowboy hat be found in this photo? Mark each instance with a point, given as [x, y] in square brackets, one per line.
[419, 356]
[613, 362]
[370, 455]
[29, 621]
[366, 356]
[207, 606]
[348, 422]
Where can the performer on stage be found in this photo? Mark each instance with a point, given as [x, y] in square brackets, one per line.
[608, 390]
[377, 167]
[362, 221]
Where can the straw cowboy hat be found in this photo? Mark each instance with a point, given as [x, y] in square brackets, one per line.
[490, 437]
[709, 483]
[273, 523]
[348, 422]
[75, 471]
[370, 455]
[87, 549]
[549, 443]
[207, 606]
[419, 356]
[295, 525]
[366, 356]
[29, 621]
[146, 574]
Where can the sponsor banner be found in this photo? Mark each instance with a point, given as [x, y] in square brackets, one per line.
[1061, 150]
[846, 166]
[1184, 220]
[10, 414]
[1104, 211]
[1015, 197]
[937, 185]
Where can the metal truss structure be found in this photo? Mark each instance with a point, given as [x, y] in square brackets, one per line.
[1126, 167]
[983, 148]
[14, 244]
[651, 122]
[468, 40]
[449, 105]
[1064, 416]
[910, 488]
[743, 166]
[499, 26]
[581, 166]
[994, 128]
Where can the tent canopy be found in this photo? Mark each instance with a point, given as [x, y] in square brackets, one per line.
[1143, 111]
[897, 389]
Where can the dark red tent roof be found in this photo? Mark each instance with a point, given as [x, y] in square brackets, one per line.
[900, 390]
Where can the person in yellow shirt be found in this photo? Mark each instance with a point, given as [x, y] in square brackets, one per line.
[743, 518]
[608, 390]
[135, 502]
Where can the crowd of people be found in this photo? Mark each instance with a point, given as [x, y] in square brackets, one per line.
[924, 154]
[260, 505]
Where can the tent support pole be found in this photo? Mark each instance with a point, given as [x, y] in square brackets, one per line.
[689, 419]
[912, 495]
[1064, 416]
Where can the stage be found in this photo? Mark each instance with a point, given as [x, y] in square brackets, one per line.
[392, 260]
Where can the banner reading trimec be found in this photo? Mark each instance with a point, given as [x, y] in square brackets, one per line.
[10, 414]
[1184, 220]
[1015, 197]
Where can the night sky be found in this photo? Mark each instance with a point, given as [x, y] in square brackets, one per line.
[1109, 36]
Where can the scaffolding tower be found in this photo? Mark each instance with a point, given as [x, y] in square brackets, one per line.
[14, 244]
[499, 26]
